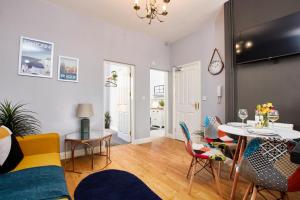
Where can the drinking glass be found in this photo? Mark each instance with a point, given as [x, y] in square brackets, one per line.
[273, 116]
[243, 114]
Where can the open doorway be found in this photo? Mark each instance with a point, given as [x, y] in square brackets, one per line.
[118, 101]
[158, 103]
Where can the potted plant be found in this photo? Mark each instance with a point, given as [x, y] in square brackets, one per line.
[19, 120]
[114, 76]
[107, 120]
[161, 103]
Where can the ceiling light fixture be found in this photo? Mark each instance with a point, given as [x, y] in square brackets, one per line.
[152, 9]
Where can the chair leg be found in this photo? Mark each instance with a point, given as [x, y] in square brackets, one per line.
[192, 177]
[284, 196]
[235, 157]
[254, 193]
[249, 188]
[219, 169]
[216, 177]
[192, 162]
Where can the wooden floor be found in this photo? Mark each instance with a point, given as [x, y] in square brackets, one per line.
[162, 165]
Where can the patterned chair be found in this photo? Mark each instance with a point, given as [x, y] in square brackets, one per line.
[216, 137]
[202, 155]
[227, 143]
[266, 164]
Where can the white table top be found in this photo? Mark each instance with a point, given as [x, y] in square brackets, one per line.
[284, 133]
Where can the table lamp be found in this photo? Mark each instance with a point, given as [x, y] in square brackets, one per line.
[84, 111]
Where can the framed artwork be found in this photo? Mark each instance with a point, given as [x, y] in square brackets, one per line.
[35, 58]
[68, 69]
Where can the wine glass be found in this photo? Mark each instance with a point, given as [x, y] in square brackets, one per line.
[273, 116]
[243, 114]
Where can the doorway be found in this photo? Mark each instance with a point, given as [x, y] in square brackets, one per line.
[158, 103]
[118, 101]
[186, 98]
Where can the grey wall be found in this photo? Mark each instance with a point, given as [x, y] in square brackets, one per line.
[199, 46]
[88, 39]
[268, 80]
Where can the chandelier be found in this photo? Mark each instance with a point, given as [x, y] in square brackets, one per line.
[152, 9]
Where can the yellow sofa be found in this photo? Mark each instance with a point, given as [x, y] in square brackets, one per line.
[39, 150]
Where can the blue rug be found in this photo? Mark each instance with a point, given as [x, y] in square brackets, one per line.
[113, 185]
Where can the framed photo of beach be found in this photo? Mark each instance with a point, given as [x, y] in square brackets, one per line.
[35, 58]
[68, 69]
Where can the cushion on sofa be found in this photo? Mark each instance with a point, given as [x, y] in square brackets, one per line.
[10, 151]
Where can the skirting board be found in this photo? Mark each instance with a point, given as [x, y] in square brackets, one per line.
[142, 141]
[78, 152]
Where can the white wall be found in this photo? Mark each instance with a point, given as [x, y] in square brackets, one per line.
[156, 78]
[199, 46]
[74, 35]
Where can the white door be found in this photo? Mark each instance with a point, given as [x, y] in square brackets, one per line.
[123, 103]
[187, 95]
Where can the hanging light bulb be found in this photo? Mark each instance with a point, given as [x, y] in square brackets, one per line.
[136, 5]
[164, 10]
[153, 9]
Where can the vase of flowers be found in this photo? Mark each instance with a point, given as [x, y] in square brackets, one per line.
[261, 114]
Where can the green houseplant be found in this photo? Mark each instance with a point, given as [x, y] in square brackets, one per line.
[19, 120]
[107, 120]
[162, 103]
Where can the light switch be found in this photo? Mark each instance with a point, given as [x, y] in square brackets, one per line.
[204, 98]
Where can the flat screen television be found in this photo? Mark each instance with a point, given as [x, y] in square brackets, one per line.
[274, 39]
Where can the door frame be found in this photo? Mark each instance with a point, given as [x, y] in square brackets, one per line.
[174, 93]
[132, 97]
[167, 134]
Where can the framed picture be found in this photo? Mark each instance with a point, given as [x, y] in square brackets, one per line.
[35, 58]
[68, 69]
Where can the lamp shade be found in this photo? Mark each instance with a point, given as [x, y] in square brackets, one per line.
[84, 110]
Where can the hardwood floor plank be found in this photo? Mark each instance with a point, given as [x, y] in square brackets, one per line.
[162, 165]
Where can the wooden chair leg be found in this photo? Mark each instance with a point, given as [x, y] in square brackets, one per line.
[192, 162]
[216, 177]
[236, 176]
[235, 157]
[192, 177]
[219, 169]
[254, 193]
[249, 188]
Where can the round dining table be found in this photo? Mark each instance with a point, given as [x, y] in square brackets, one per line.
[244, 132]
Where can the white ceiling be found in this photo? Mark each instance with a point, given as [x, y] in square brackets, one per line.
[184, 16]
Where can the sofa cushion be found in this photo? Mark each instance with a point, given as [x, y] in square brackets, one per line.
[10, 151]
[39, 160]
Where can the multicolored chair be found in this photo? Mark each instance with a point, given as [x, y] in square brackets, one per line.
[214, 136]
[266, 164]
[202, 155]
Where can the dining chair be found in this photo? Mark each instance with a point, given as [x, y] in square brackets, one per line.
[227, 143]
[266, 163]
[202, 155]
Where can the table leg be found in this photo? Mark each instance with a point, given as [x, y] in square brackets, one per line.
[65, 153]
[100, 152]
[107, 151]
[92, 149]
[235, 157]
[236, 176]
[73, 159]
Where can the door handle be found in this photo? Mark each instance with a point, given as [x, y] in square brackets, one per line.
[198, 105]
[195, 105]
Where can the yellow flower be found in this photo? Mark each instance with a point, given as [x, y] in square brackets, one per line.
[270, 105]
[258, 107]
[264, 105]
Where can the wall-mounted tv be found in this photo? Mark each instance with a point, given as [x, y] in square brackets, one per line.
[277, 38]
